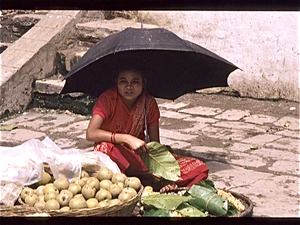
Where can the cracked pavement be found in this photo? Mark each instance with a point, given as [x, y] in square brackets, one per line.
[250, 146]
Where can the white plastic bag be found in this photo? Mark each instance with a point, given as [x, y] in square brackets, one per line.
[63, 163]
[93, 161]
[22, 164]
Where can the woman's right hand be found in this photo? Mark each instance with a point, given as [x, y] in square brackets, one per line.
[136, 144]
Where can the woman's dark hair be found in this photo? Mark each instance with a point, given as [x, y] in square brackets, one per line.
[136, 64]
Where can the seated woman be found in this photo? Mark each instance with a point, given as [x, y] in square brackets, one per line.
[118, 129]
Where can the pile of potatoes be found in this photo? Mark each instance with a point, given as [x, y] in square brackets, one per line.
[103, 189]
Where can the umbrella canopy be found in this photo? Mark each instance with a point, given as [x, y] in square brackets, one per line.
[171, 65]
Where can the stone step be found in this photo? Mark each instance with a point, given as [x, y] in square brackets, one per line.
[69, 57]
[46, 95]
[52, 85]
[90, 33]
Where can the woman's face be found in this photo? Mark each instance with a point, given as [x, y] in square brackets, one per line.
[130, 85]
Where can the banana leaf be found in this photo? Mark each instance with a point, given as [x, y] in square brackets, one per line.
[154, 212]
[161, 162]
[205, 198]
[188, 210]
[165, 201]
[232, 210]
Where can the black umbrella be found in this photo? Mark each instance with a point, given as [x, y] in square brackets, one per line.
[172, 66]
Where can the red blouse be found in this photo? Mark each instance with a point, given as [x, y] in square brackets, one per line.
[116, 115]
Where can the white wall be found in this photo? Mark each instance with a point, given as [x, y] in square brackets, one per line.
[265, 45]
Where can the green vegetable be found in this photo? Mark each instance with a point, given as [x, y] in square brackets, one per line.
[161, 162]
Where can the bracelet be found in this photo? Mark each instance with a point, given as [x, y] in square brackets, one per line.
[113, 137]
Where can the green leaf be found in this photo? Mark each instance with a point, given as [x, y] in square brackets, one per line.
[161, 162]
[165, 201]
[8, 127]
[232, 210]
[154, 212]
[189, 210]
[205, 197]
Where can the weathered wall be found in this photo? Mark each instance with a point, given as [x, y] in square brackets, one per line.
[265, 45]
[32, 57]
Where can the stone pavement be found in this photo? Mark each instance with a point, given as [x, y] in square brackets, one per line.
[255, 153]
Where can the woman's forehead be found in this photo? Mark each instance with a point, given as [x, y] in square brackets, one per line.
[130, 74]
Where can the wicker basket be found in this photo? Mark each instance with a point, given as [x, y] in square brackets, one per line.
[245, 201]
[17, 210]
[121, 209]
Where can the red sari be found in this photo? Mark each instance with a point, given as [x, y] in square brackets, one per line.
[117, 118]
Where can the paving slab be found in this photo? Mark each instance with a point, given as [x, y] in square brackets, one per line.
[239, 125]
[225, 133]
[171, 114]
[261, 139]
[260, 119]
[199, 119]
[200, 110]
[288, 166]
[291, 123]
[276, 155]
[268, 193]
[47, 122]
[175, 135]
[173, 105]
[175, 143]
[195, 129]
[240, 147]
[289, 133]
[74, 128]
[233, 176]
[233, 114]
[17, 136]
[21, 118]
[285, 144]
[246, 160]
[65, 143]
[204, 153]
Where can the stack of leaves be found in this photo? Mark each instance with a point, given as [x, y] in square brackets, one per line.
[164, 205]
[206, 198]
[201, 200]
